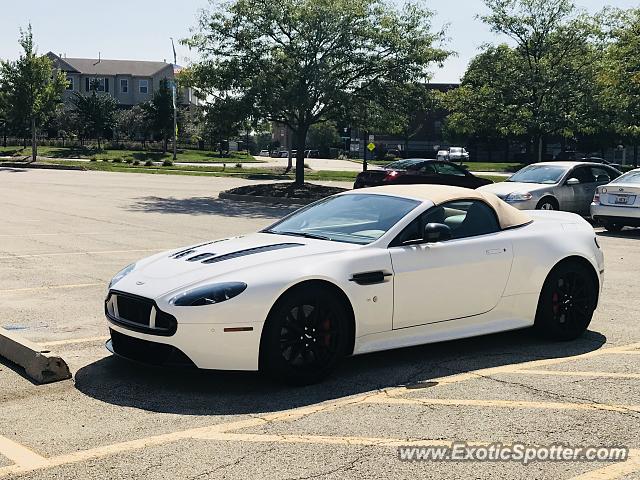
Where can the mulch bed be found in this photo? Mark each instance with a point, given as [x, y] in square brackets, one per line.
[307, 191]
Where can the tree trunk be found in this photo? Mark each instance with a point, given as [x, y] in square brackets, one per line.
[364, 156]
[34, 142]
[540, 144]
[635, 155]
[164, 145]
[300, 141]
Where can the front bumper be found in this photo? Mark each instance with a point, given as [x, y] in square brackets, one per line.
[207, 346]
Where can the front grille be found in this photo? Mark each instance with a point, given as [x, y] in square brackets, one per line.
[148, 352]
[134, 309]
[139, 314]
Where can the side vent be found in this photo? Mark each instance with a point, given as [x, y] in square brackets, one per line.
[251, 251]
[188, 251]
[202, 256]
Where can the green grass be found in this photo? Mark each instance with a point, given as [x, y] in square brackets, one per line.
[194, 156]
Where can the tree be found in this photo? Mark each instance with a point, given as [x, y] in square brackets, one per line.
[160, 113]
[223, 119]
[620, 77]
[96, 114]
[301, 62]
[555, 52]
[323, 136]
[133, 123]
[33, 89]
[406, 107]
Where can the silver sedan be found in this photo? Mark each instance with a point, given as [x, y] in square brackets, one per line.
[568, 186]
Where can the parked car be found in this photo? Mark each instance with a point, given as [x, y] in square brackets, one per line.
[283, 154]
[458, 154]
[419, 170]
[264, 153]
[443, 155]
[294, 299]
[568, 186]
[617, 204]
[312, 154]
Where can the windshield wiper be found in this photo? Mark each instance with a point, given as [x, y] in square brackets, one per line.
[300, 234]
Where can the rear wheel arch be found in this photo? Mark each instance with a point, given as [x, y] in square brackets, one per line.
[333, 289]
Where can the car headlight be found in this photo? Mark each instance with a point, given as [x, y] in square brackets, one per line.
[209, 294]
[518, 197]
[121, 274]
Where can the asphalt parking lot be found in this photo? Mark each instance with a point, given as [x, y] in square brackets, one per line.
[64, 234]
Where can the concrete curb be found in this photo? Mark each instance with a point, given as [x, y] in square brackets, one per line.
[43, 166]
[39, 364]
[267, 200]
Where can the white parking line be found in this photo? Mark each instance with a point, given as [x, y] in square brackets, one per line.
[20, 454]
[74, 341]
[53, 287]
[62, 254]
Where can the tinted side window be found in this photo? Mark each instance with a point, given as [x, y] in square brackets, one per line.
[448, 169]
[467, 218]
[583, 174]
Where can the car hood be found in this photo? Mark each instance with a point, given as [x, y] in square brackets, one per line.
[176, 269]
[502, 189]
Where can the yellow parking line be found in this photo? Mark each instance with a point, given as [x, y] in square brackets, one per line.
[53, 287]
[614, 471]
[19, 454]
[62, 254]
[487, 372]
[562, 373]
[462, 402]
[329, 440]
[74, 341]
[201, 432]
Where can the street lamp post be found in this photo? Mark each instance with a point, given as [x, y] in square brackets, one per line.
[175, 102]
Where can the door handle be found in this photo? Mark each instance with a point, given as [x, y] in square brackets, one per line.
[496, 251]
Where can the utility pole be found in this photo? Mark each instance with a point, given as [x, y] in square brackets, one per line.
[175, 102]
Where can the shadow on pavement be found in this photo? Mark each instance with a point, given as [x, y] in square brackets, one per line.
[13, 169]
[628, 232]
[200, 392]
[209, 206]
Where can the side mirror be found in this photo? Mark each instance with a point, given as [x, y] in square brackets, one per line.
[573, 181]
[436, 232]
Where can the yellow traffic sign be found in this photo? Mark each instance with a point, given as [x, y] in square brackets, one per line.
[371, 147]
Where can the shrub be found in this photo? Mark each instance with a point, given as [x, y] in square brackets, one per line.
[167, 163]
[238, 165]
[117, 160]
[136, 162]
[105, 160]
[93, 159]
[148, 163]
[128, 160]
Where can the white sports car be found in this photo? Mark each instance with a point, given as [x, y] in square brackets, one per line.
[362, 271]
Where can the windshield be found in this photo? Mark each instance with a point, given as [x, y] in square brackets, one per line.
[548, 174]
[631, 177]
[455, 150]
[354, 218]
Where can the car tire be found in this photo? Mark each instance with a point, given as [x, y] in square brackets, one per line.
[612, 227]
[567, 302]
[305, 336]
[548, 204]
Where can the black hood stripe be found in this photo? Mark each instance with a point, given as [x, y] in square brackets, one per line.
[251, 251]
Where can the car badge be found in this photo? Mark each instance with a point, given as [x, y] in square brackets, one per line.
[139, 283]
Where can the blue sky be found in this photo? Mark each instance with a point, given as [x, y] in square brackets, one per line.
[134, 29]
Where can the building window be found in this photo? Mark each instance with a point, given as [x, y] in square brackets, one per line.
[97, 84]
[69, 83]
[124, 85]
[144, 86]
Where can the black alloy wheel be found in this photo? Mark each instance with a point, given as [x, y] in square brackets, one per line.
[567, 302]
[305, 336]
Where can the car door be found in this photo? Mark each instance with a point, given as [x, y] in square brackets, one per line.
[457, 278]
[579, 195]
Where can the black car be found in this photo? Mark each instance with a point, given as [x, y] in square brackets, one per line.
[420, 170]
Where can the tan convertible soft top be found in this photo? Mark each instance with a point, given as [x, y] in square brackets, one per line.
[508, 216]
